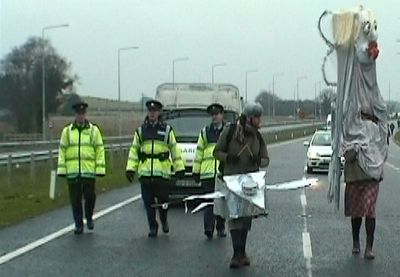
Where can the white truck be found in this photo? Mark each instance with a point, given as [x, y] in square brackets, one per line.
[185, 107]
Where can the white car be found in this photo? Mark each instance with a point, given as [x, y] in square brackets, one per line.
[319, 151]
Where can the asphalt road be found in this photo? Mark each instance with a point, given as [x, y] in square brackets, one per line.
[119, 245]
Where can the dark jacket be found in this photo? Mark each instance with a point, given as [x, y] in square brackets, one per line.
[256, 147]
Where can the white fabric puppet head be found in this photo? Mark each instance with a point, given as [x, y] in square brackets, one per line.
[357, 28]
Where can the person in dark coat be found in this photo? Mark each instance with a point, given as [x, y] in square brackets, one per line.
[245, 152]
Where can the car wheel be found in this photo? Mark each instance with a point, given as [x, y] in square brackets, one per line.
[309, 170]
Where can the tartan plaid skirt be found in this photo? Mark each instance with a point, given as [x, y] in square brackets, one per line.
[360, 198]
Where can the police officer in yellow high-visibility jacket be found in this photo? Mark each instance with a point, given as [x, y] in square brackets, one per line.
[153, 154]
[80, 160]
[205, 166]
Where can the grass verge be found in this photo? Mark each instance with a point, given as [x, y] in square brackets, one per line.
[28, 195]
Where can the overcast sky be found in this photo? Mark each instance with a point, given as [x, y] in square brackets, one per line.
[267, 35]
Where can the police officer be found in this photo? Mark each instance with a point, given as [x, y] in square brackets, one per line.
[152, 155]
[80, 160]
[205, 166]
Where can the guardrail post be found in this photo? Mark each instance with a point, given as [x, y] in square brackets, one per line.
[111, 158]
[32, 168]
[51, 159]
[9, 170]
[122, 150]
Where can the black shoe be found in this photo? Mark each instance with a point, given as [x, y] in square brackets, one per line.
[153, 232]
[209, 234]
[78, 230]
[165, 227]
[221, 233]
[90, 224]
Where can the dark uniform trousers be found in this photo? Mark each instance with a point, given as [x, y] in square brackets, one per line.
[211, 220]
[77, 188]
[153, 188]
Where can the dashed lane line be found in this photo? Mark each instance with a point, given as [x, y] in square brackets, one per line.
[307, 247]
[392, 166]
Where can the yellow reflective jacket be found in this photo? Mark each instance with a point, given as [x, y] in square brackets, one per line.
[204, 162]
[154, 152]
[81, 152]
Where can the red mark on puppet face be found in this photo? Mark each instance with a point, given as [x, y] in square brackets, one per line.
[373, 50]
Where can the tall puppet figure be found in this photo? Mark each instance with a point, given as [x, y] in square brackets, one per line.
[359, 128]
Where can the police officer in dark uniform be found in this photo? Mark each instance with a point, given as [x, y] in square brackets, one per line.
[155, 157]
[205, 166]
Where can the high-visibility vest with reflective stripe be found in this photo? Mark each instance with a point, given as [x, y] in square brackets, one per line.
[81, 152]
[204, 163]
[152, 140]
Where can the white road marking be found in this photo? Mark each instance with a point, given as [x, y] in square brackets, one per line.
[307, 251]
[303, 200]
[307, 248]
[279, 144]
[392, 166]
[33, 245]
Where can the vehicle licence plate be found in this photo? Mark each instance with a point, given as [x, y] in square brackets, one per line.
[187, 183]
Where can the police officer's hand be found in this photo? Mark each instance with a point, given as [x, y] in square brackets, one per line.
[130, 175]
[180, 174]
[142, 156]
[232, 159]
[196, 177]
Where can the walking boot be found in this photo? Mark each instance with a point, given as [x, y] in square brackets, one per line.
[165, 227]
[369, 255]
[221, 233]
[208, 233]
[78, 228]
[90, 224]
[235, 262]
[153, 231]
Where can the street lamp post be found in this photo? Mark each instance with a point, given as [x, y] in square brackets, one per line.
[320, 100]
[389, 100]
[317, 99]
[212, 70]
[44, 76]
[247, 72]
[273, 91]
[298, 99]
[173, 67]
[119, 83]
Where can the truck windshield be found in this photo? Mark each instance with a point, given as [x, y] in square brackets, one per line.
[187, 128]
[188, 123]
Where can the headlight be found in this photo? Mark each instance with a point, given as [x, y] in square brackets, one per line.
[312, 155]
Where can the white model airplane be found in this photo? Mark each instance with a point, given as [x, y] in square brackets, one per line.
[244, 195]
